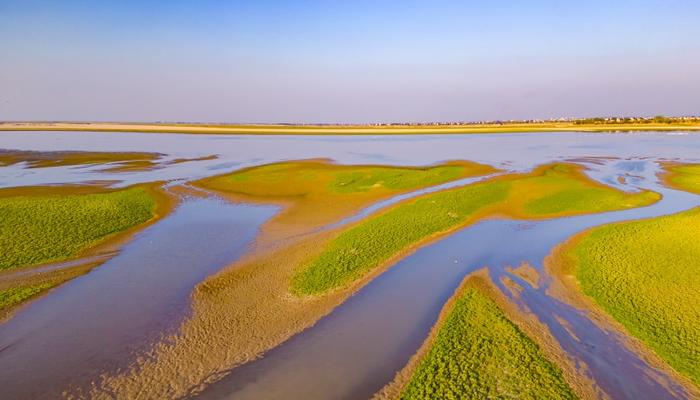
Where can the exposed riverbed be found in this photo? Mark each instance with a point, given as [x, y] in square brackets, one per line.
[100, 322]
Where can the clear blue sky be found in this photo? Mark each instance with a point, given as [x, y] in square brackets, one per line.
[354, 61]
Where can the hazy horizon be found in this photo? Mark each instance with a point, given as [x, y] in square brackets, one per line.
[361, 62]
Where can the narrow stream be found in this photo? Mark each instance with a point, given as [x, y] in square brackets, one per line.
[358, 348]
[97, 322]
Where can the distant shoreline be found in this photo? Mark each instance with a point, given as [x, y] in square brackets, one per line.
[508, 127]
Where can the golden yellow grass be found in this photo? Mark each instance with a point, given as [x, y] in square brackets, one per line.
[525, 321]
[248, 308]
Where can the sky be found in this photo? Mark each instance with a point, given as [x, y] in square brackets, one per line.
[347, 62]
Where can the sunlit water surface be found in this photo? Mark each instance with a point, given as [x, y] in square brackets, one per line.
[101, 321]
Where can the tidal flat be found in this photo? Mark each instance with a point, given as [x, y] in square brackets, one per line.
[43, 227]
[322, 267]
[478, 350]
[644, 274]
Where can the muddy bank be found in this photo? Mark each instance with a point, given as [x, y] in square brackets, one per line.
[53, 274]
[248, 309]
[522, 318]
[101, 321]
[564, 285]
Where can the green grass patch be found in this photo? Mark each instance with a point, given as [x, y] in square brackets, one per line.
[394, 178]
[313, 179]
[14, 296]
[361, 248]
[684, 177]
[561, 190]
[478, 353]
[553, 190]
[646, 275]
[43, 228]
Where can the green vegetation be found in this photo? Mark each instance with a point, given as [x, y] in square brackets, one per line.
[319, 179]
[392, 178]
[318, 192]
[478, 353]
[363, 247]
[684, 177]
[14, 296]
[561, 195]
[553, 190]
[41, 228]
[646, 275]
[659, 119]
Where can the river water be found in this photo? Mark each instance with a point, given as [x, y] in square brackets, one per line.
[99, 322]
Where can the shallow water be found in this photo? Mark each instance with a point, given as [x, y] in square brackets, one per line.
[510, 151]
[357, 349]
[100, 321]
[96, 322]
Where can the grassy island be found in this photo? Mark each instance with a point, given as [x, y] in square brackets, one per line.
[316, 192]
[645, 274]
[38, 229]
[46, 224]
[683, 176]
[478, 349]
[550, 191]
[282, 288]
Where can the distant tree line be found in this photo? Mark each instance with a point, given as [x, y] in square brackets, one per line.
[659, 119]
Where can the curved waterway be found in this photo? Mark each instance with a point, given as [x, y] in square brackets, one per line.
[357, 349]
[98, 322]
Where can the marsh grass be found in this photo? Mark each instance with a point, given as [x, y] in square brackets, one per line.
[550, 191]
[646, 275]
[319, 179]
[361, 248]
[684, 177]
[314, 193]
[41, 228]
[13, 296]
[478, 353]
